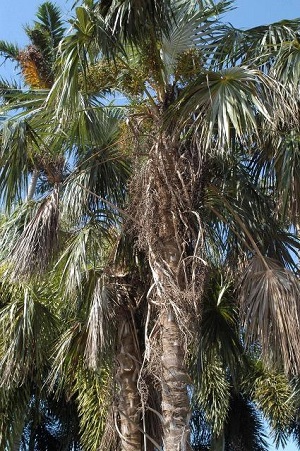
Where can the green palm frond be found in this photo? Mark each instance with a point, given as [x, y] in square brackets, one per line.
[20, 103]
[9, 51]
[27, 332]
[240, 218]
[257, 46]
[244, 427]
[13, 407]
[285, 166]
[96, 188]
[226, 101]
[275, 397]
[49, 18]
[194, 26]
[9, 90]
[85, 250]
[25, 141]
[65, 90]
[182, 37]
[134, 20]
[94, 125]
[12, 226]
[219, 331]
[45, 36]
[274, 166]
[287, 65]
[212, 392]
[95, 392]
[76, 53]
[266, 40]
[17, 141]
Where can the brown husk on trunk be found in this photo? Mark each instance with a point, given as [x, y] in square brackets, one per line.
[166, 193]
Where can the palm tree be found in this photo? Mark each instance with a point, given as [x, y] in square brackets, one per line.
[49, 224]
[37, 60]
[194, 117]
[82, 238]
[37, 64]
[194, 106]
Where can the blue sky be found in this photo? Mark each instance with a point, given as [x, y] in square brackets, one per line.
[248, 13]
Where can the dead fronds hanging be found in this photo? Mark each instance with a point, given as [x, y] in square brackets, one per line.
[36, 245]
[269, 301]
[98, 325]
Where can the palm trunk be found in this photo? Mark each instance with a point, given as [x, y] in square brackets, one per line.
[175, 402]
[174, 377]
[163, 206]
[129, 399]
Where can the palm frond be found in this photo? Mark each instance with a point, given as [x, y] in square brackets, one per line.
[15, 161]
[99, 325]
[194, 26]
[287, 64]
[9, 51]
[219, 333]
[38, 242]
[49, 17]
[239, 208]
[37, 60]
[269, 296]
[9, 90]
[257, 46]
[97, 188]
[27, 332]
[133, 20]
[68, 352]
[13, 407]
[213, 393]
[11, 228]
[244, 427]
[76, 54]
[284, 164]
[275, 397]
[226, 101]
[94, 401]
[182, 36]
[85, 250]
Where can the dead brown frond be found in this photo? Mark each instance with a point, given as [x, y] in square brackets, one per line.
[269, 300]
[36, 245]
[99, 321]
